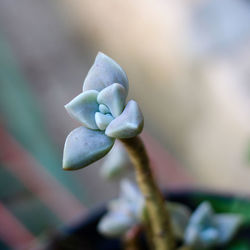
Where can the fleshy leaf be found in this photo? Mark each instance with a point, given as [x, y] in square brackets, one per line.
[180, 215]
[128, 124]
[113, 97]
[227, 226]
[129, 191]
[133, 196]
[116, 162]
[199, 220]
[102, 120]
[192, 237]
[130, 201]
[209, 237]
[84, 146]
[115, 224]
[202, 215]
[121, 205]
[104, 72]
[83, 108]
[103, 109]
[206, 230]
[123, 212]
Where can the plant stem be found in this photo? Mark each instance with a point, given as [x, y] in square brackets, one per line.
[159, 218]
[148, 230]
[130, 240]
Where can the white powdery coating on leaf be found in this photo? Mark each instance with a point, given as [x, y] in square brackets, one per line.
[83, 108]
[102, 120]
[115, 224]
[206, 229]
[116, 162]
[84, 146]
[128, 124]
[104, 72]
[114, 97]
[227, 226]
[104, 109]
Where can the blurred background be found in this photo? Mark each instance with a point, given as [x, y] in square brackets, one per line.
[188, 63]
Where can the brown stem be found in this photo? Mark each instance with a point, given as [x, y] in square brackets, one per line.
[130, 240]
[148, 230]
[163, 238]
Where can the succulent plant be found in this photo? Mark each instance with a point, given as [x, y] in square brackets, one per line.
[207, 229]
[128, 210]
[201, 230]
[105, 116]
[123, 212]
[102, 110]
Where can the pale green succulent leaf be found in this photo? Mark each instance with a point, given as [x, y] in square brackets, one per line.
[104, 109]
[84, 146]
[120, 205]
[102, 120]
[199, 220]
[115, 224]
[227, 226]
[116, 163]
[202, 215]
[130, 201]
[206, 229]
[128, 124]
[83, 108]
[114, 97]
[123, 212]
[133, 197]
[192, 237]
[129, 191]
[104, 72]
[209, 237]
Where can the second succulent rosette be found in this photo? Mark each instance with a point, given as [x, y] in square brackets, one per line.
[102, 110]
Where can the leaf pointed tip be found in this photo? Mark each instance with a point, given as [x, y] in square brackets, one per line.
[66, 106]
[65, 164]
[104, 72]
[128, 124]
[66, 168]
[100, 53]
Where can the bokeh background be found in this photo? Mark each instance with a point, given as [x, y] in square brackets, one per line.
[188, 64]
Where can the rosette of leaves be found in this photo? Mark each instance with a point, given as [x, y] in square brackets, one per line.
[103, 112]
[206, 229]
[123, 212]
[128, 210]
